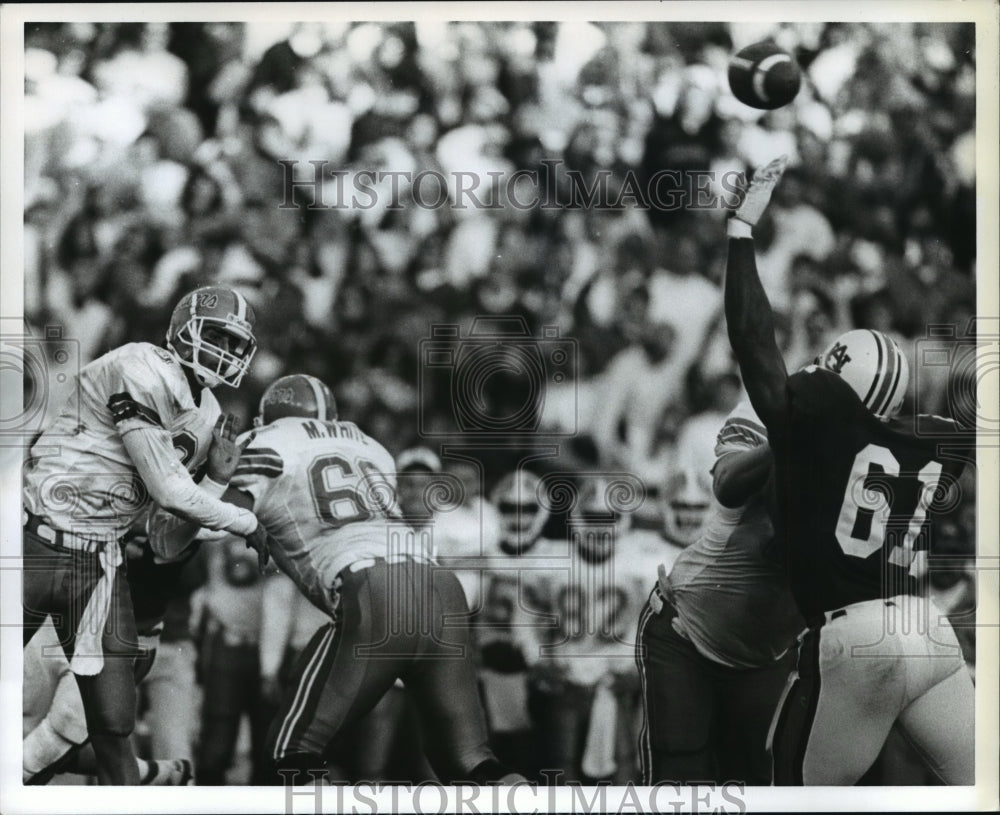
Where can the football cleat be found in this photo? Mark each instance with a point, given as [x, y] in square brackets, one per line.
[522, 514]
[758, 193]
[211, 332]
[296, 395]
[872, 364]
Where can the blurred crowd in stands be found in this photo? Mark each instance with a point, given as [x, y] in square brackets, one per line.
[153, 164]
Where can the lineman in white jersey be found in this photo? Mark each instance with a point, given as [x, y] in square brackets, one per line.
[325, 491]
[136, 427]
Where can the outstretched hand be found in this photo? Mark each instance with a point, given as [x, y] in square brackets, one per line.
[224, 453]
[758, 193]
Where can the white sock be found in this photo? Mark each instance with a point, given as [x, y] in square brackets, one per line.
[43, 747]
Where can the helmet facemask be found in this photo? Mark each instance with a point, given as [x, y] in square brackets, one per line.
[596, 523]
[687, 497]
[522, 514]
[196, 345]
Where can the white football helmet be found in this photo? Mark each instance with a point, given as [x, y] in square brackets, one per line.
[595, 522]
[522, 514]
[211, 332]
[687, 486]
[872, 364]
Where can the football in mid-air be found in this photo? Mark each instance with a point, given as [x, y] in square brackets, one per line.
[764, 76]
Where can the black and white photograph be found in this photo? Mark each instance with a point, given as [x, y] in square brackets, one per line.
[499, 407]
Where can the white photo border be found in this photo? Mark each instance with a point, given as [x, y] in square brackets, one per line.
[16, 799]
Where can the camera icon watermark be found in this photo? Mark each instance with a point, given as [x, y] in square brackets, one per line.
[955, 373]
[47, 366]
[497, 379]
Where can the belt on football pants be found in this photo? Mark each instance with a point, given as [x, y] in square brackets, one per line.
[60, 539]
[835, 614]
[661, 602]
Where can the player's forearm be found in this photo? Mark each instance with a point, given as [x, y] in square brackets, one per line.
[170, 535]
[750, 323]
[172, 488]
[739, 476]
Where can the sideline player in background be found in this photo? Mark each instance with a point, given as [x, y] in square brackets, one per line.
[520, 571]
[137, 426]
[326, 492]
[585, 688]
[854, 489]
[715, 640]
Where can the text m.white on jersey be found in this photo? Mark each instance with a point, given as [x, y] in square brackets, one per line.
[326, 492]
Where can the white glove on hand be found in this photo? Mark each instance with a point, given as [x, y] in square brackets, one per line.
[758, 194]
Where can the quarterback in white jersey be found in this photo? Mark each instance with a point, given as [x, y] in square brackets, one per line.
[81, 474]
[325, 491]
[139, 417]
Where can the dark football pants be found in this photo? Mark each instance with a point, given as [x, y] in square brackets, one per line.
[59, 582]
[405, 620]
[703, 721]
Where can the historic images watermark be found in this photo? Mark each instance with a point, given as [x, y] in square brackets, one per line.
[318, 184]
[47, 364]
[556, 795]
[494, 348]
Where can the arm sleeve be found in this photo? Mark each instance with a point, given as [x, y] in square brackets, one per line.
[750, 322]
[742, 430]
[738, 472]
[170, 536]
[172, 488]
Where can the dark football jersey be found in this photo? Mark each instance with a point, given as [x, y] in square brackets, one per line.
[854, 493]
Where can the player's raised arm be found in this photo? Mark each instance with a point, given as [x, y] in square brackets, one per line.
[749, 317]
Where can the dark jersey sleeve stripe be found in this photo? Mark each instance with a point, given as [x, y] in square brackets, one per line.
[123, 406]
[261, 452]
[258, 469]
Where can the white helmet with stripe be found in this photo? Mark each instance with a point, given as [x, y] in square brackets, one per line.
[872, 364]
[211, 333]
